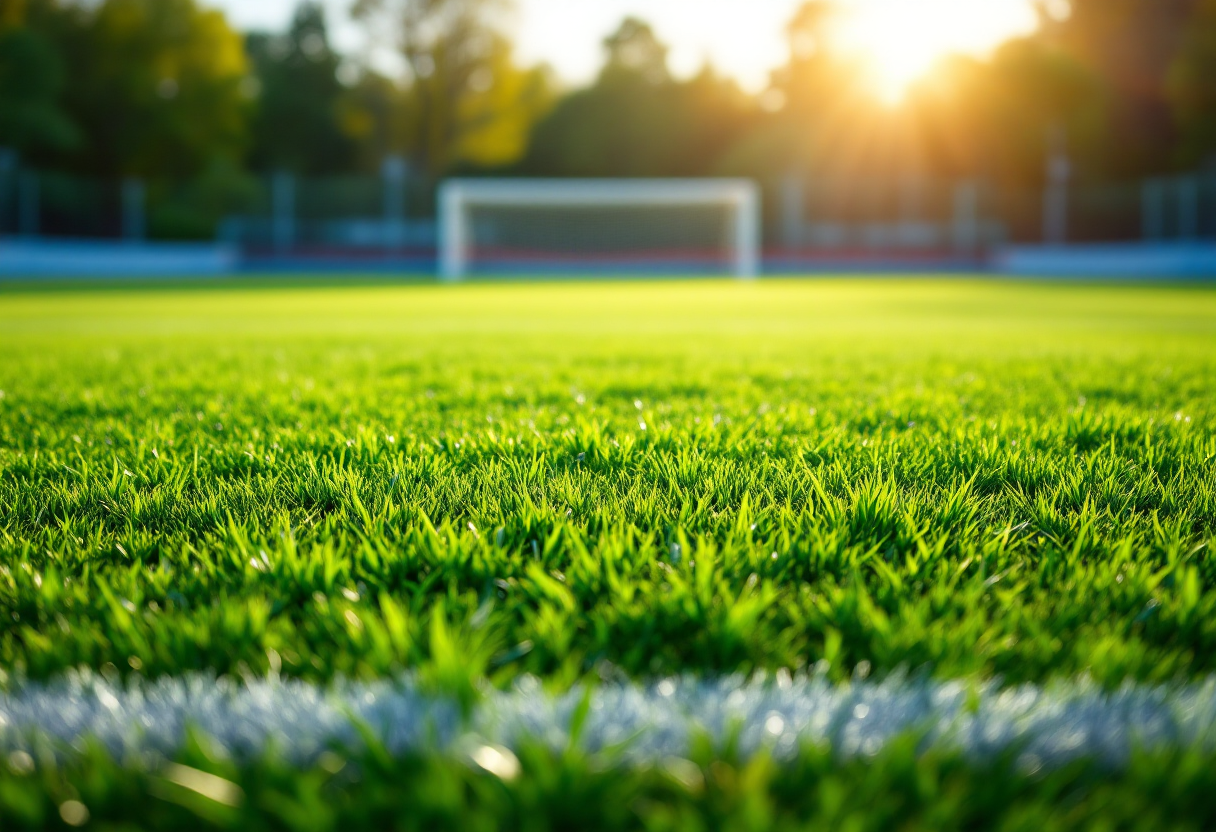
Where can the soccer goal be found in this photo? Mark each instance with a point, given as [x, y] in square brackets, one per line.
[600, 226]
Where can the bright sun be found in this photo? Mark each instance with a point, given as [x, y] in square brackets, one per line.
[902, 39]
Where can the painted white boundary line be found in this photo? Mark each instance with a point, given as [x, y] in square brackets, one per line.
[1047, 726]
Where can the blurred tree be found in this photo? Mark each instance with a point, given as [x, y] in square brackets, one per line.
[1192, 88]
[154, 85]
[634, 51]
[121, 88]
[158, 88]
[372, 114]
[32, 80]
[499, 109]
[636, 120]
[12, 13]
[821, 115]
[817, 75]
[298, 124]
[622, 125]
[467, 103]
[1131, 46]
[997, 117]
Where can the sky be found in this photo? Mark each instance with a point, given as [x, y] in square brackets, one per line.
[740, 37]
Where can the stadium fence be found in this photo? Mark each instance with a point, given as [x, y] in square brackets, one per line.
[389, 220]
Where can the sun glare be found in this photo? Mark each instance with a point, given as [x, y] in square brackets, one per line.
[903, 39]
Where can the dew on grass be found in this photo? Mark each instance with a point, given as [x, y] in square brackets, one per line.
[20, 762]
[331, 762]
[685, 772]
[74, 813]
[210, 786]
[497, 760]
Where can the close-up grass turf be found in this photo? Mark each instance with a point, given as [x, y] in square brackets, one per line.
[989, 482]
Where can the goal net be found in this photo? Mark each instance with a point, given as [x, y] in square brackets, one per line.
[600, 226]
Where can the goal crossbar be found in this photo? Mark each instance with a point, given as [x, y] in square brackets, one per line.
[457, 198]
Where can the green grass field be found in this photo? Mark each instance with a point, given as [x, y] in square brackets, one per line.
[979, 481]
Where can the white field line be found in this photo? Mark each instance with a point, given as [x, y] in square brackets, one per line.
[1046, 726]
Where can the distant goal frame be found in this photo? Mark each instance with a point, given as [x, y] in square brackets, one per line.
[458, 196]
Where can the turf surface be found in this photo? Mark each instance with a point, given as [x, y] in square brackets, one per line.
[971, 480]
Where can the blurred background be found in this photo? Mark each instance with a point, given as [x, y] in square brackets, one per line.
[253, 134]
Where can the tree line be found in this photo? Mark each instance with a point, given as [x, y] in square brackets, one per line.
[166, 89]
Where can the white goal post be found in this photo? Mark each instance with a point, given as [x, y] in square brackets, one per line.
[599, 222]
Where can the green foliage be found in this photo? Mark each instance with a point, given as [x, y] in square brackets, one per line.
[467, 102]
[1132, 69]
[148, 87]
[298, 123]
[193, 208]
[1192, 90]
[979, 479]
[1131, 45]
[162, 89]
[156, 88]
[31, 84]
[636, 120]
[998, 114]
[493, 118]
[824, 118]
